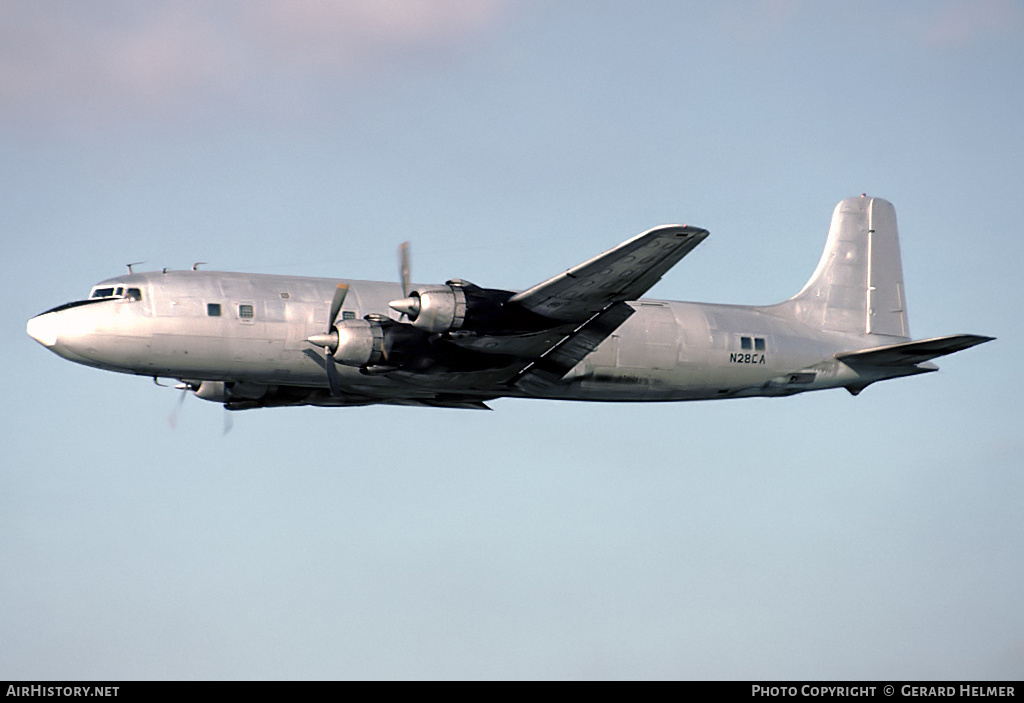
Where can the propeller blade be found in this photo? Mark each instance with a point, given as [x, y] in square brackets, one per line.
[339, 299]
[172, 419]
[329, 340]
[333, 379]
[403, 267]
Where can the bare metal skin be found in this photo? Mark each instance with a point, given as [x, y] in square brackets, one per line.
[254, 340]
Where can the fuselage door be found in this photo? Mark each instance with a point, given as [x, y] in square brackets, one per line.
[650, 339]
[245, 311]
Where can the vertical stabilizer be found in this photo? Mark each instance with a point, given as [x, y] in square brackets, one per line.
[858, 285]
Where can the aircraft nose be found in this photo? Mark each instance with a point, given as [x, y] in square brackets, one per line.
[43, 329]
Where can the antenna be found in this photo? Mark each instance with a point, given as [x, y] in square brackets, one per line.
[196, 265]
[134, 263]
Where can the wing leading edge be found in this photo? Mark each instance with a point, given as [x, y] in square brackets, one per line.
[620, 274]
[588, 302]
[582, 306]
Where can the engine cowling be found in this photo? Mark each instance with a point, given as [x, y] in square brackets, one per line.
[221, 392]
[215, 391]
[353, 342]
[434, 309]
[360, 343]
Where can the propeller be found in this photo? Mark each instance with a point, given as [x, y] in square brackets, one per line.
[329, 340]
[408, 306]
[172, 419]
[404, 267]
[404, 273]
[185, 387]
[193, 386]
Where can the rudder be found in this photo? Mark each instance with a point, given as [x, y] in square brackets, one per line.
[858, 284]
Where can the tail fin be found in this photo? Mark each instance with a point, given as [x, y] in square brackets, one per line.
[858, 285]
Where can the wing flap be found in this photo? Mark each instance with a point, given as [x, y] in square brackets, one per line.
[623, 273]
[547, 370]
[524, 346]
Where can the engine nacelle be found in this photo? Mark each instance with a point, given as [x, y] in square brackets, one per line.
[360, 342]
[434, 309]
[216, 391]
[221, 392]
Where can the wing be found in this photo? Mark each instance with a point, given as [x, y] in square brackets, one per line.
[583, 305]
[474, 341]
[620, 274]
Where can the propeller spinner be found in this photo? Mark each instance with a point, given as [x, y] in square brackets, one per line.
[329, 340]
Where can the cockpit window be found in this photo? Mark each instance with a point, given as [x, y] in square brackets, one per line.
[134, 294]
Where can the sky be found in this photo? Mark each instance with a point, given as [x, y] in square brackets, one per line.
[822, 536]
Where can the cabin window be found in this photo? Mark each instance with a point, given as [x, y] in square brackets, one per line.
[103, 293]
[134, 294]
[753, 344]
[213, 309]
[245, 312]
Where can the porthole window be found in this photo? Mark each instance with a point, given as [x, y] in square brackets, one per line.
[213, 309]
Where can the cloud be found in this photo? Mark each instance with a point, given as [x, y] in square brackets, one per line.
[342, 36]
[98, 59]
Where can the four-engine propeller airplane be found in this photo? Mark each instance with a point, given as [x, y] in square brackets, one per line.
[252, 340]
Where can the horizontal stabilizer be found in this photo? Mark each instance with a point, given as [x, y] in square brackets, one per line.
[912, 353]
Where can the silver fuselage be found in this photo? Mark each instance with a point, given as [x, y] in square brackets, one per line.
[255, 340]
[666, 350]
